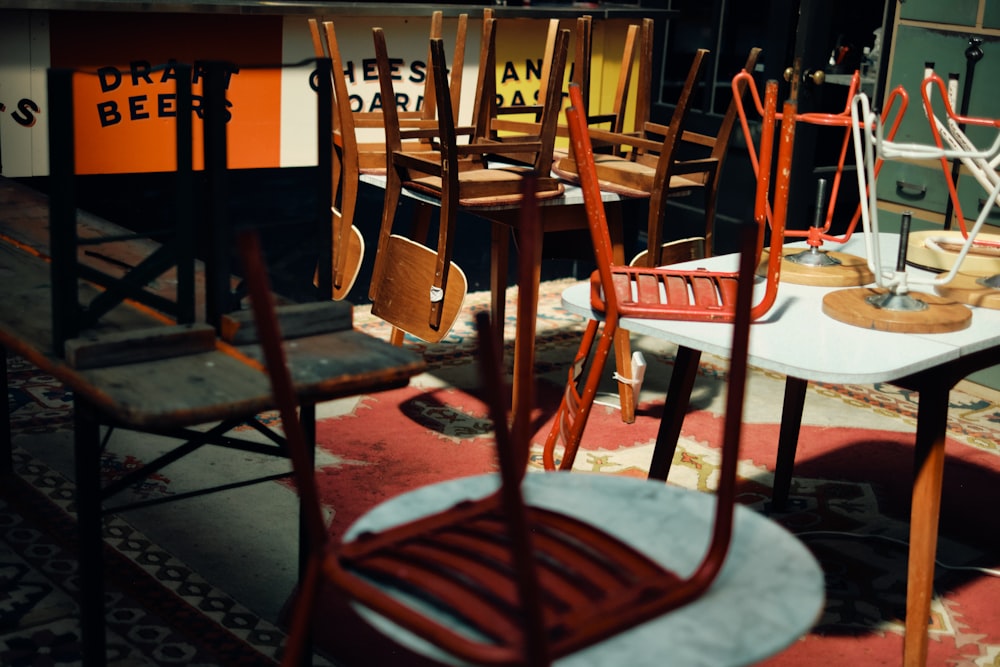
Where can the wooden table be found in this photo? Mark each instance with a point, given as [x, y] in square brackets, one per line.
[798, 340]
[770, 590]
[564, 213]
[224, 384]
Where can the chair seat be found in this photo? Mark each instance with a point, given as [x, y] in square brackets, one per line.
[627, 177]
[769, 592]
[489, 187]
[463, 560]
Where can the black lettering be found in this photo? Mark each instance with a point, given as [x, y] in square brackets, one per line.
[25, 114]
[137, 107]
[198, 107]
[418, 71]
[402, 101]
[356, 103]
[166, 105]
[395, 64]
[518, 99]
[369, 70]
[533, 67]
[509, 73]
[108, 113]
[376, 104]
[110, 78]
[169, 72]
[140, 71]
[349, 72]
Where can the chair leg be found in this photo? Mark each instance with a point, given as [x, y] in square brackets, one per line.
[626, 388]
[574, 409]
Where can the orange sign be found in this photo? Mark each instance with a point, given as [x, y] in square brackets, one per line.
[124, 91]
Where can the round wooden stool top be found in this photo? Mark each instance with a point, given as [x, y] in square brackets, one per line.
[969, 289]
[851, 306]
[846, 271]
[983, 258]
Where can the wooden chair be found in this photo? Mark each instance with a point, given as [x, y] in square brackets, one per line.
[414, 288]
[638, 40]
[646, 292]
[653, 168]
[513, 573]
[355, 157]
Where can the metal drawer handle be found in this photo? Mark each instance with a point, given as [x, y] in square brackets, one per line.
[910, 189]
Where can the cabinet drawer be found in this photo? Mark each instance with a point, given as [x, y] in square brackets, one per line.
[913, 185]
[991, 15]
[956, 12]
[946, 50]
[973, 197]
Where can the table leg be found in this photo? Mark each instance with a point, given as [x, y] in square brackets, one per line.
[788, 440]
[925, 510]
[674, 408]
[88, 506]
[6, 440]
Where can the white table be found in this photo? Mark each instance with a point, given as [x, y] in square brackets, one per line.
[770, 590]
[797, 339]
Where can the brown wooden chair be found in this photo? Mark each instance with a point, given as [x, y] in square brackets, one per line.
[531, 584]
[644, 292]
[652, 167]
[638, 40]
[414, 288]
[354, 157]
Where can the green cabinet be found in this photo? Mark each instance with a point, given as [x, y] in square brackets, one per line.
[938, 33]
[957, 12]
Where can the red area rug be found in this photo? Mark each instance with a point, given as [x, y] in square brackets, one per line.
[850, 497]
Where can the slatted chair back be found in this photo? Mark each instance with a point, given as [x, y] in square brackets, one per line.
[654, 293]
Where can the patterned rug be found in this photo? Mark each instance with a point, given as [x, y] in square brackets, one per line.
[849, 503]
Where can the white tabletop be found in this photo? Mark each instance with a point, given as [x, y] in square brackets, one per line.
[769, 592]
[796, 338]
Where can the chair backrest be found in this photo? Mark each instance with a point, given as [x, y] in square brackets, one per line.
[370, 156]
[460, 560]
[662, 293]
[488, 117]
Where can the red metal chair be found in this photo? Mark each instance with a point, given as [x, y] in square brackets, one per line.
[657, 293]
[496, 564]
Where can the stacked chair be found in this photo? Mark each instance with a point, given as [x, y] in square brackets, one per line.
[354, 157]
[418, 289]
[500, 580]
[649, 292]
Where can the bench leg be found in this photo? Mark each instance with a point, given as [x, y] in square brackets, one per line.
[6, 439]
[88, 503]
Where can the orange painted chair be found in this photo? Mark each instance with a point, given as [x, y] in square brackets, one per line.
[495, 564]
[656, 293]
